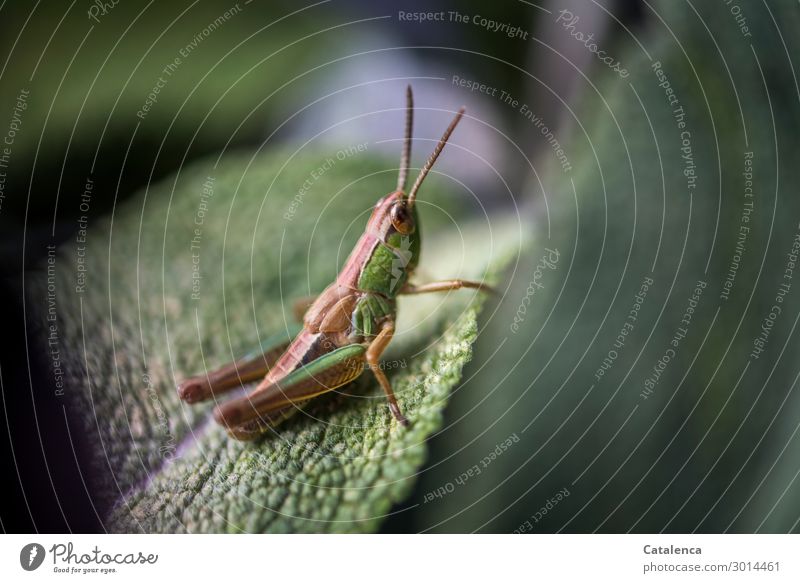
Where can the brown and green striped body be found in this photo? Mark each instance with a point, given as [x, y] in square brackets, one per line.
[348, 326]
[343, 319]
[363, 295]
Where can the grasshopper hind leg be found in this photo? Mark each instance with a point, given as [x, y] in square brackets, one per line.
[274, 400]
[250, 416]
[230, 376]
[247, 369]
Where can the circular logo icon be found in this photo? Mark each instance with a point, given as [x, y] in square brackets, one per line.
[31, 556]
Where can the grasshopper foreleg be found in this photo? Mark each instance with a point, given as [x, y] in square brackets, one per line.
[448, 285]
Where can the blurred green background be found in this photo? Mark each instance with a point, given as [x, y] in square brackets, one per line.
[580, 416]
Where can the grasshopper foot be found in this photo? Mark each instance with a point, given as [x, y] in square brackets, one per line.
[193, 389]
[401, 419]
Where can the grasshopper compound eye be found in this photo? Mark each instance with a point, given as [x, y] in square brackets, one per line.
[402, 220]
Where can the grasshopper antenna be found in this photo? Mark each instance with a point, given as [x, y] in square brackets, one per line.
[436, 151]
[405, 158]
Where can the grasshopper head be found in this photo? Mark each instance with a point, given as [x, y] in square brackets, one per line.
[393, 214]
[396, 212]
[393, 219]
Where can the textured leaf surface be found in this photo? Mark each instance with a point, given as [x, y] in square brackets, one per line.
[200, 269]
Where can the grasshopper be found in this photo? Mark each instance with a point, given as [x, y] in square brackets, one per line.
[346, 328]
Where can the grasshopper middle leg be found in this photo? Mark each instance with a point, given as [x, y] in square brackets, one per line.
[448, 285]
[373, 356]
